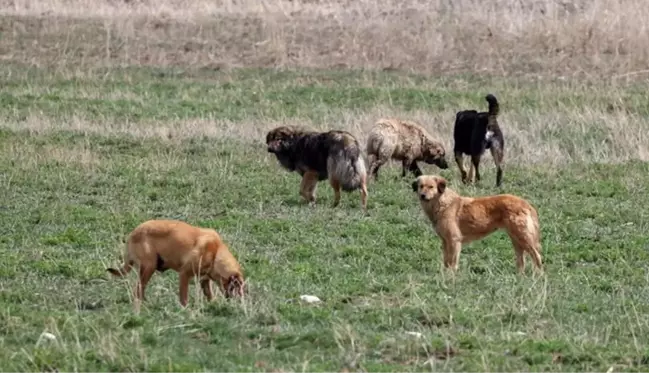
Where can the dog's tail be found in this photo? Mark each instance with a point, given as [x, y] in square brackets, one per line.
[346, 163]
[494, 108]
[121, 272]
[126, 268]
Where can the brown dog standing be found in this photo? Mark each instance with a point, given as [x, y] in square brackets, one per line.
[170, 244]
[458, 220]
[405, 141]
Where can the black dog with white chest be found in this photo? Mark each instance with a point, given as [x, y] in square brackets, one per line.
[473, 133]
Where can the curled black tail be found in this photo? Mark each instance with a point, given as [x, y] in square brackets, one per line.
[494, 108]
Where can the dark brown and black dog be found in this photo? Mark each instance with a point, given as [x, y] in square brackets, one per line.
[316, 156]
[473, 133]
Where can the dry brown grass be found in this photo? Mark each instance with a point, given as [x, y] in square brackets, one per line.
[585, 38]
[549, 137]
[601, 39]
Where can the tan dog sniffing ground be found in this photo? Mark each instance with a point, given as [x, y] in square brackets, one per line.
[405, 141]
[458, 220]
[159, 245]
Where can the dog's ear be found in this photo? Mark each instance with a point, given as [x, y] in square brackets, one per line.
[441, 185]
[414, 186]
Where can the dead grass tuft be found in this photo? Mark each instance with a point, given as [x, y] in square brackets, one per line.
[28, 158]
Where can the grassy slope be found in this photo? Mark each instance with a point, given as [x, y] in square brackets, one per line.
[70, 199]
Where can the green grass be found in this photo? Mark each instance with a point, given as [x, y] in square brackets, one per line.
[156, 94]
[70, 199]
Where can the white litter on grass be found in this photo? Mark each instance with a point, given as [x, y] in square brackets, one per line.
[310, 298]
[48, 336]
[415, 334]
[45, 336]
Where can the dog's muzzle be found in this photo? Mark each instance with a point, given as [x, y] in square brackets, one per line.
[423, 197]
[273, 146]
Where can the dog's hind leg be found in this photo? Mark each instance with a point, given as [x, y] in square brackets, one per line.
[459, 160]
[497, 153]
[522, 246]
[475, 162]
[335, 184]
[145, 275]
[520, 258]
[374, 168]
[534, 249]
[536, 257]
[523, 232]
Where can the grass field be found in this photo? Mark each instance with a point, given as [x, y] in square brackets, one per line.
[92, 146]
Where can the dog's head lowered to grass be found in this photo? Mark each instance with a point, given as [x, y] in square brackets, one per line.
[233, 286]
[428, 187]
[434, 153]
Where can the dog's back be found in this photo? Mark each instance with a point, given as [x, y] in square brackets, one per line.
[471, 128]
[345, 161]
[398, 139]
[466, 122]
[173, 242]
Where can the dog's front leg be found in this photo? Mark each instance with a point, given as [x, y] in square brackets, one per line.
[454, 246]
[183, 290]
[414, 168]
[308, 186]
[459, 160]
[405, 165]
[446, 254]
[375, 164]
[409, 165]
[206, 285]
